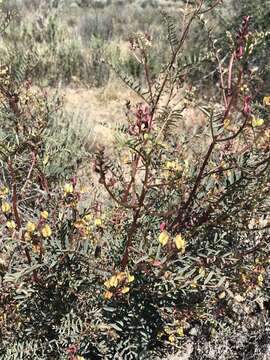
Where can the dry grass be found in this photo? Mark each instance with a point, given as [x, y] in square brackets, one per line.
[102, 109]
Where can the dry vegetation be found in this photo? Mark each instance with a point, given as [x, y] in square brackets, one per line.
[134, 186]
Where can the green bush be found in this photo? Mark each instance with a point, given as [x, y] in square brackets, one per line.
[60, 56]
[177, 250]
[69, 43]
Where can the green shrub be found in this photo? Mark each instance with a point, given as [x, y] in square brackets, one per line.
[70, 42]
[60, 56]
[180, 245]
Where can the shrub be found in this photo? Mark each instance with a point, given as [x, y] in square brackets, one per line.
[61, 56]
[69, 43]
[178, 248]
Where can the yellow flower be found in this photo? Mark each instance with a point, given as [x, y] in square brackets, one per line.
[180, 331]
[30, 227]
[194, 285]
[36, 248]
[108, 295]
[146, 136]
[46, 231]
[130, 278]
[172, 338]
[11, 224]
[125, 159]
[222, 295]
[88, 217]
[260, 279]
[227, 123]
[266, 101]
[167, 330]
[68, 188]
[87, 231]
[171, 165]
[98, 222]
[27, 236]
[121, 276]
[4, 191]
[44, 214]
[243, 278]
[79, 224]
[202, 271]
[163, 238]
[257, 122]
[180, 243]
[80, 358]
[6, 207]
[112, 282]
[125, 290]
[160, 334]
[46, 159]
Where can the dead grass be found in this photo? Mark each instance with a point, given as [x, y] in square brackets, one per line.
[101, 109]
[104, 108]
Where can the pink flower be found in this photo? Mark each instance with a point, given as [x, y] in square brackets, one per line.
[74, 180]
[162, 226]
[239, 52]
[72, 350]
[144, 118]
[241, 37]
[246, 108]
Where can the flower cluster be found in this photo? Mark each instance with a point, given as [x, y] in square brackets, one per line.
[71, 195]
[144, 121]
[118, 284]
[179, 241]
[36, 231]
[7, 209]
[171, 168]
[171, 333]
[242, 37]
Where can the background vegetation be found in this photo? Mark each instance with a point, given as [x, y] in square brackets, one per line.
[134, 157]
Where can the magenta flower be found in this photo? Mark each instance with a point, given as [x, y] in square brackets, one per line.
[144, 118]
[246, 108]
[242, 37]
[162, 226]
